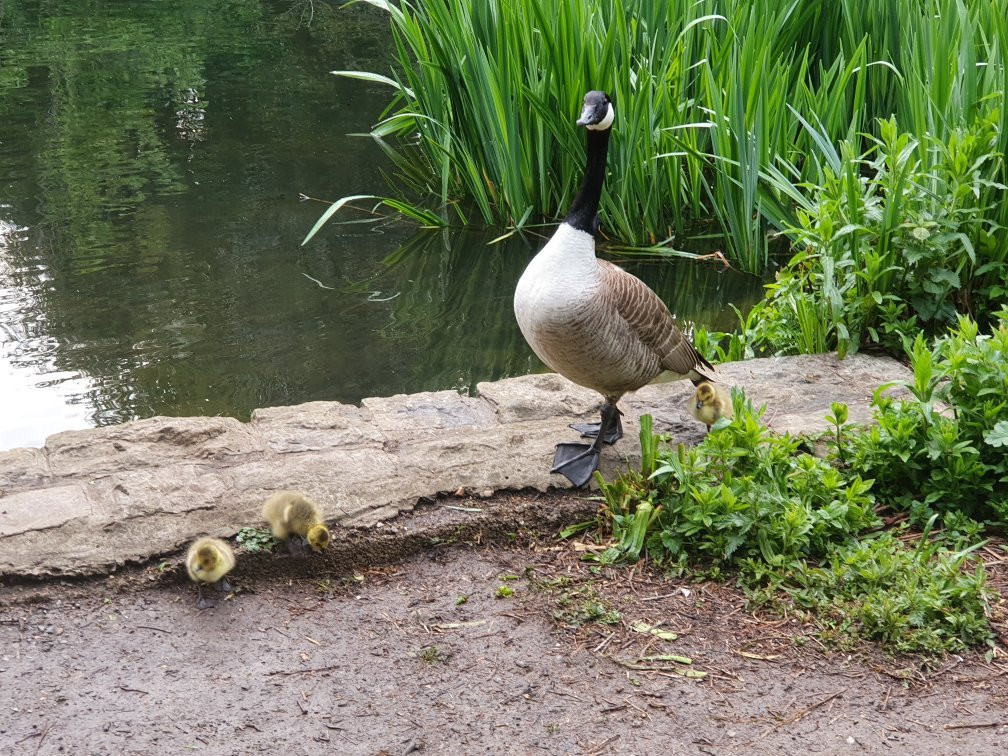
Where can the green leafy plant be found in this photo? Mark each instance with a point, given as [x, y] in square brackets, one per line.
[743, 492]
[886, 243]
[838, 418]
[797, 532]
[582, 605]
[430, 655]
[927, 457]
[926, 599]
[255, 540]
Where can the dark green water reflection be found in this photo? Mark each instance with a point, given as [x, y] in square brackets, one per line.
[151, 156]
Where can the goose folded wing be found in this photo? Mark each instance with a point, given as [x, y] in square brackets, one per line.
[649, 318]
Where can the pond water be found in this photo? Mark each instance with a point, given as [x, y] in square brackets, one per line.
[151, 161]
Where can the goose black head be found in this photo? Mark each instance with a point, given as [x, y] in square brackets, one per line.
[597, 113]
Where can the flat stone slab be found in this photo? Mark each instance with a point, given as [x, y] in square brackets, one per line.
[89, 501]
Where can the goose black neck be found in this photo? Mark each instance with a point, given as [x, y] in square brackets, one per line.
[584, 210]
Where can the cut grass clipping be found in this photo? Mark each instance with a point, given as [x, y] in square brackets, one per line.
[797, 533]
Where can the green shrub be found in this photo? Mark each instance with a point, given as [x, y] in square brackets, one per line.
[927, 458]
[886, 244]
[925, 599]
[798, 531]
[743, 493]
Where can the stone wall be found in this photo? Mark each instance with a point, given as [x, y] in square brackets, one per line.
[91, 500]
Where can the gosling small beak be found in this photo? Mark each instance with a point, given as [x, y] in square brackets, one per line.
[699, 404]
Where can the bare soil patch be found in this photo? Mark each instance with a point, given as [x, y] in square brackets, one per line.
[402, 641]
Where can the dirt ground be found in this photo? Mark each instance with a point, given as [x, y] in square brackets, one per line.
[400, 641]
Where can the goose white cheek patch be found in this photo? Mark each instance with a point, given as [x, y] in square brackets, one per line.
[606, 122]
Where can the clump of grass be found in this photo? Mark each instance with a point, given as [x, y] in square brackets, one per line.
[430, 655]
[504, 591]
[582, 605]
[925, 599]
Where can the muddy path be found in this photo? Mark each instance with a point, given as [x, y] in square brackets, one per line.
[467, 630]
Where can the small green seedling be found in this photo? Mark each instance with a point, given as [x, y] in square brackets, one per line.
[255, 540]
[430, 655]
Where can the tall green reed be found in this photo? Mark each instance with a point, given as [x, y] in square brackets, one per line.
[712, 96]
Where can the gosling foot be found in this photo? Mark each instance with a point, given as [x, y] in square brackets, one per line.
[297, 547]
[202, 602]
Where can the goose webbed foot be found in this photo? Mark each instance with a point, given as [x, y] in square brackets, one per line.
[223, 585]
[610, 418]
[576, 462]
[591, 430]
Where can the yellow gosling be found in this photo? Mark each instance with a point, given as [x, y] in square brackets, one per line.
[297, 519]
[208, 561]
[710, 403]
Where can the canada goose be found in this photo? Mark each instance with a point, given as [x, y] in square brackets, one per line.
[710, 403]
[297, 519]
[208, 561]
[590, 320]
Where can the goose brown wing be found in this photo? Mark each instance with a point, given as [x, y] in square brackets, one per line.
[650, 319]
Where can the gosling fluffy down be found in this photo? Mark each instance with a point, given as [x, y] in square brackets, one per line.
[291, 514]
[209, 560]
[710, 403]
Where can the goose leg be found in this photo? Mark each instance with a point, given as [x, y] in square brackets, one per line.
[577, 462]
[591, 430]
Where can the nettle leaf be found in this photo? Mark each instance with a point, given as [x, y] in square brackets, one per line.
[950, 277]
[998, 435]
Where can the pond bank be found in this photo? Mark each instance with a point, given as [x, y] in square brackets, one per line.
[89, 501]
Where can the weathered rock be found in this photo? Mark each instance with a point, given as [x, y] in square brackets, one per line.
[22, 468]
[315, 426]
[534, 397]
[91, 500]
[405, 415]
[798, 391]
[144, 443]
[43, 509]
